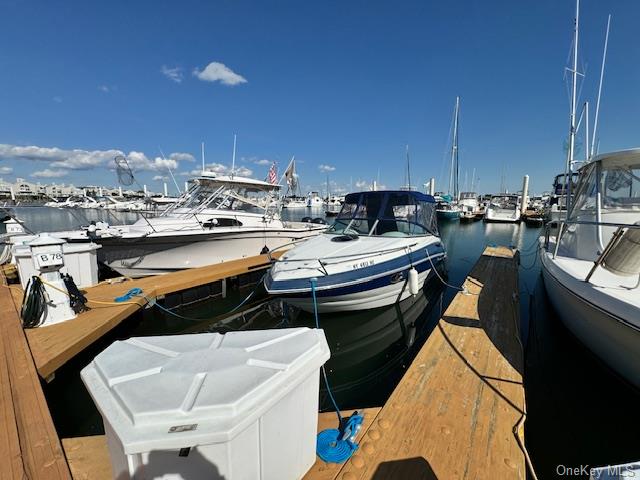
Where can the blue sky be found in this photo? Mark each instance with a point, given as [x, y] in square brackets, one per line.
[340, 84]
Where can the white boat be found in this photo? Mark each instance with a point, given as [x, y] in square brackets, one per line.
[294, 202]
[218, 219]
[503, 208]
[557, 205]
[314, 200]
[380, 250]
[469, 206]
[592, 273]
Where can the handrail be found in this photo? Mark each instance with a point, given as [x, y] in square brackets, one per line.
[602, 224]
[345, 257]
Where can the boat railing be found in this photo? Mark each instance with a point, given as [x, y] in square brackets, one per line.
[347, 258]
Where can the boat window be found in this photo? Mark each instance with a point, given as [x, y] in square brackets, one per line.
[221, 222]
[619, 187]
[386, 213]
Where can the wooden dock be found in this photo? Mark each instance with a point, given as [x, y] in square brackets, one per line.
[52, 346]
[456, 413]
[29, 444]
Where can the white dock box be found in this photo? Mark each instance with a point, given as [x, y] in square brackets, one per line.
[243, 405]
[80, 261]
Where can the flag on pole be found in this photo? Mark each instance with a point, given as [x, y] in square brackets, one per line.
[290, 173]
[272, 176]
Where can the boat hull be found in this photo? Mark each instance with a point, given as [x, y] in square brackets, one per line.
[609, 337]
[448, 215]
[163, 254]
[363, 291]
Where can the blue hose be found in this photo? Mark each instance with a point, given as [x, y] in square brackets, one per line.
[134, 292]
[335, 445]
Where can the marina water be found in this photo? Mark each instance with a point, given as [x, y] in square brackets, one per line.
[578, 411]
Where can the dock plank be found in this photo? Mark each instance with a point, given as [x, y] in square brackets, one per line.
[454, 412]
[33, 449]
[52, 346]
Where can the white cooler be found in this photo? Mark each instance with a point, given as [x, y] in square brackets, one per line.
[243, 405]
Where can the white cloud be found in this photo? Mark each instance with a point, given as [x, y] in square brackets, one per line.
[326, 168]
[49, 173]
[160, 178]
[78, 159]
[182, 157]
[104, 88]
[219, 72]
[361, 183]
[173, 73]
[6, 170]
[257, 161]
[220, 169]
[57, 99]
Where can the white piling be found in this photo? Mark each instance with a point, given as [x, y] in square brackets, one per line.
[166, 190]
[432, 186]
[525, 192]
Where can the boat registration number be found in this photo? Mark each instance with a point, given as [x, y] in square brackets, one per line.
[366, 263]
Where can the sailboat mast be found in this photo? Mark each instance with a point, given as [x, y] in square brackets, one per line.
[408, 169]
[453, 177]
[574, 93]
[233, 159]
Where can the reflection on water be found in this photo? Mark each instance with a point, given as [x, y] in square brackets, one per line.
[578, 412]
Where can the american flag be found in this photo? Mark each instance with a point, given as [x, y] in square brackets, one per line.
[272, 176]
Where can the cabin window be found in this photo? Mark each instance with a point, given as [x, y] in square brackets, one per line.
[221, 222]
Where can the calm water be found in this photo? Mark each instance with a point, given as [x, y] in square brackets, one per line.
[578, 412]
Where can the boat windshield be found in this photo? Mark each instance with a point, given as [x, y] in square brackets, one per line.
[617, 185]
[607, 196]
[212, 194]
[505, 201]
[389, 213]
[468, 195]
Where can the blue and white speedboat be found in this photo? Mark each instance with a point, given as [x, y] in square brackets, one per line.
[380, 250]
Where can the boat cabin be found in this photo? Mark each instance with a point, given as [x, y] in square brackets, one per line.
[212, 192]
[387, 213]
[606, 197]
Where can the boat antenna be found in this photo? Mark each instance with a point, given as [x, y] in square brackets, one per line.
[233, 158]
[604, 58]
[572, 117]
[170, 172]
[202, 149]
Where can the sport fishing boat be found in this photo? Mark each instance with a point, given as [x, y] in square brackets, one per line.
[503, 208]
[591, 270]
[381, 248]
[220, 218]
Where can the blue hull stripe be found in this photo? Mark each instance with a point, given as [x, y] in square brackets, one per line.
[356, 280]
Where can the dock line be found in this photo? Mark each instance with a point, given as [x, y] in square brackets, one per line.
[335, 445]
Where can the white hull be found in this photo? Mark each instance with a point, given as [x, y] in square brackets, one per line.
[493, 215]
[152, 256]
[614, 339]
[379, 297]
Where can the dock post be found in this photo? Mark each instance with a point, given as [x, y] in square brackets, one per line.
[525, 192]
